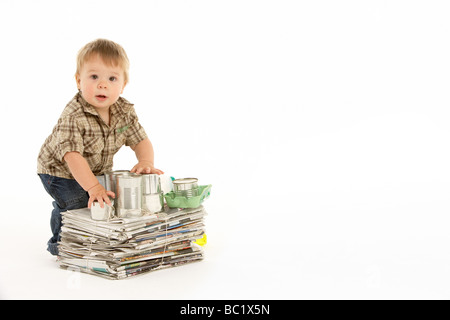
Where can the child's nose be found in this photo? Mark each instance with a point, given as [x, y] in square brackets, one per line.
[102, 84]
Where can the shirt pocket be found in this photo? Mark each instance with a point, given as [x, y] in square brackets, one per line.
[94, 145]
[119, 141]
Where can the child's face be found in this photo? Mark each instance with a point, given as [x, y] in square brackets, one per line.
[100, 84]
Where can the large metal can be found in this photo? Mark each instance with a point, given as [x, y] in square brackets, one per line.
[129, 195]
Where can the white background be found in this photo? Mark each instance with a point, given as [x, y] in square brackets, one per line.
[323, 127]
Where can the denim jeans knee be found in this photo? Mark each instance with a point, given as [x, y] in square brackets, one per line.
[68, 195]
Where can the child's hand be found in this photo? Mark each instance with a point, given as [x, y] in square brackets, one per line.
[146, 167]
[98, 193]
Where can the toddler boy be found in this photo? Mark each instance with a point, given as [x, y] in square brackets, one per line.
[94, 125]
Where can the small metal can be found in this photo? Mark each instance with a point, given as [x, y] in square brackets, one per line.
[186, 187]
[129, 195]
[101, 214]
[150, 183]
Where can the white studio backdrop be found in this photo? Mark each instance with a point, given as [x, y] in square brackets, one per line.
[322, 126]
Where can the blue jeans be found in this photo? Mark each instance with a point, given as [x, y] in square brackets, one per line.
[68, 195]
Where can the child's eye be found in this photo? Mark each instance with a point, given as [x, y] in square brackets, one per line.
[112, 78]
[94, 76]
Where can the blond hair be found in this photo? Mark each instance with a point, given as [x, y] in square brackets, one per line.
[110, 52]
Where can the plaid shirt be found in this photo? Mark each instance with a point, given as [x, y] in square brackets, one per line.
[81, 129]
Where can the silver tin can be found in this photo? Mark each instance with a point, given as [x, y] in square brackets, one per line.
[152, 196]
[129, 195]
[101, 214]
[111, 177]
[186, 187]
[151, 183]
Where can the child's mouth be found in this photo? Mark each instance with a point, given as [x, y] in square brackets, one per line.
[101, 97]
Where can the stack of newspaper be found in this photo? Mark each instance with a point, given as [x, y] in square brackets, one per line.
[124, 247]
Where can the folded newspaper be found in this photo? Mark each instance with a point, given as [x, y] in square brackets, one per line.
[124, 247]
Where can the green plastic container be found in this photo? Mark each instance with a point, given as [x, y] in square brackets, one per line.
[174, 201]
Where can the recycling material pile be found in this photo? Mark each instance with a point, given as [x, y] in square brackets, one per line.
[120, 247]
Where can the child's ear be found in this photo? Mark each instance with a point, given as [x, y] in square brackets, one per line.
[78, 80]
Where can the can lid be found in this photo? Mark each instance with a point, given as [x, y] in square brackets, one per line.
[117, 172]
[130, 175]
[185, 180]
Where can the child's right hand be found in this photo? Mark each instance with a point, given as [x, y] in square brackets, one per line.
[98, 193]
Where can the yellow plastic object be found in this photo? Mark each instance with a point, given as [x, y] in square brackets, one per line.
[202, 241]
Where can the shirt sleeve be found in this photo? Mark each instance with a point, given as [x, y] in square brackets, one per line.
[135, 132]
[69, 137]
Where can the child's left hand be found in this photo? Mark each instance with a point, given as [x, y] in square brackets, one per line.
[146, 167]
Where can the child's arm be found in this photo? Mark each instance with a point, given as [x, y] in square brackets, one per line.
[83, 175]
[145, 156]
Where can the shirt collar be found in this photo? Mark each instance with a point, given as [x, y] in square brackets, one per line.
[121, 106]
